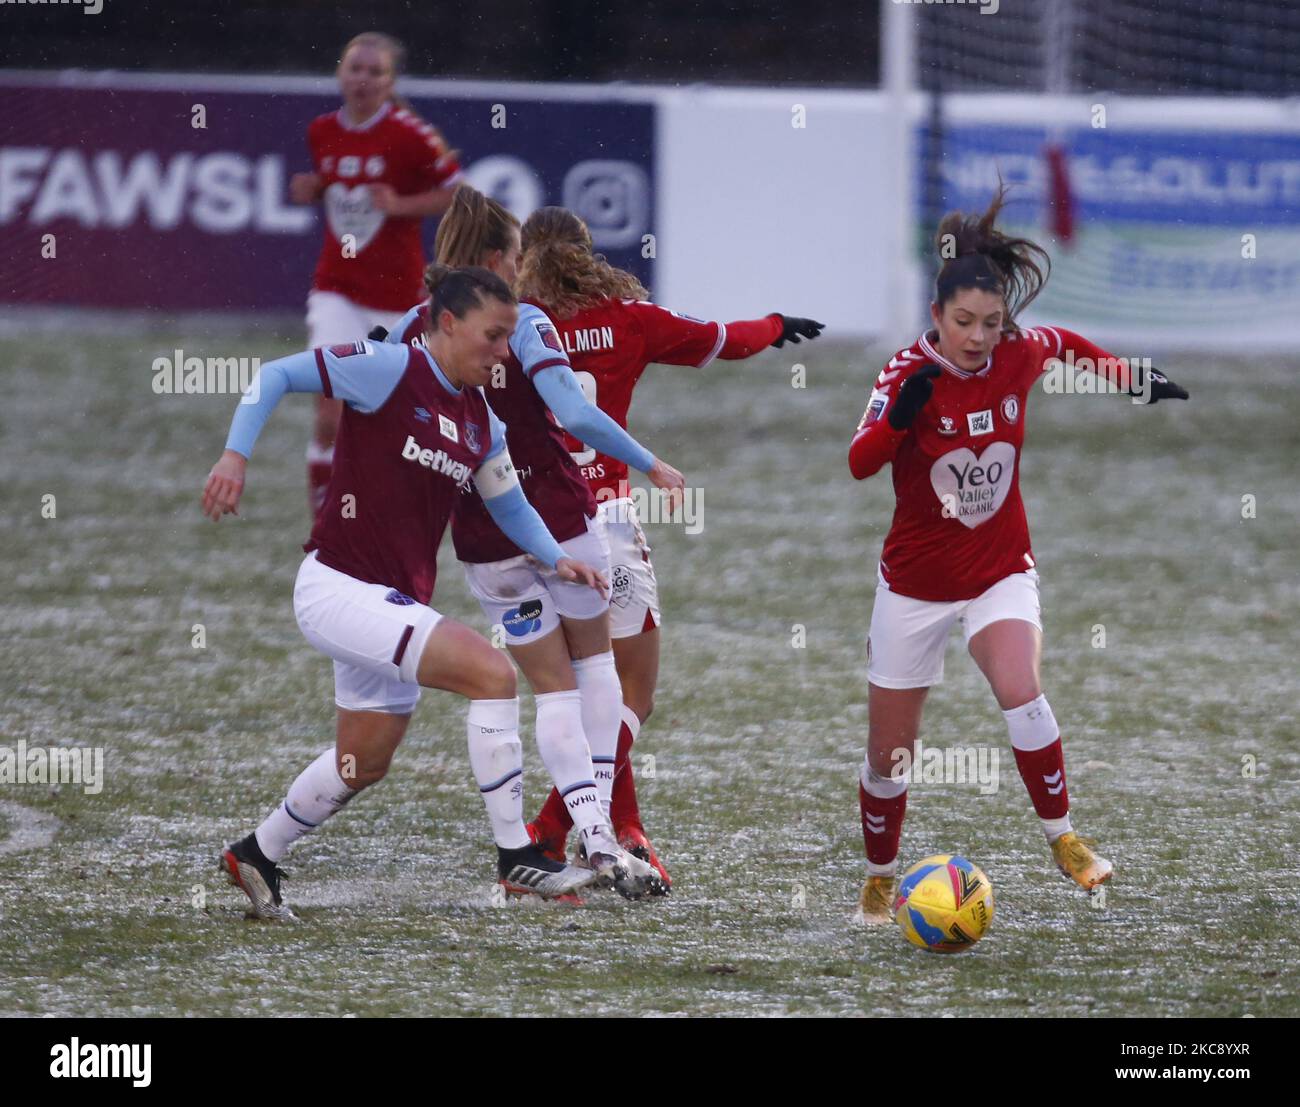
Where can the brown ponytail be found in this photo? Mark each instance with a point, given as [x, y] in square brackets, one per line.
[559, 270]
[473, 226]
[980, 256]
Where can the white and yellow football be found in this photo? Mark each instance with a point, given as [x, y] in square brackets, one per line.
[944, 903]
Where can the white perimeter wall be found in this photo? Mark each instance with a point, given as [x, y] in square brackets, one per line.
[754, 214]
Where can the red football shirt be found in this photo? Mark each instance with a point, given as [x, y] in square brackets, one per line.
[959, 524]
[393, 147]
[610, 344]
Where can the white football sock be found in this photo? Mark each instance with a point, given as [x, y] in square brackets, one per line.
[602, 715]
[1054, 828]
[882, 787]
[1032, 726]
[497, 760]
[563, 746]
[317, 794]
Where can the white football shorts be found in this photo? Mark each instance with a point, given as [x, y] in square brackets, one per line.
[527, 600]
[374, 633]
[333, 319]
[908, 637]
[633, 588]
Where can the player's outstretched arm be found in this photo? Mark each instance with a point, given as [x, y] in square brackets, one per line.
[1145, 385]
[585, 421]
[675, 339]
[362, 375]
[560, 389]
[225, 483]
[1149, 386]
[793, 329]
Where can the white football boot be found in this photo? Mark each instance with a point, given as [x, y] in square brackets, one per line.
[614, 867]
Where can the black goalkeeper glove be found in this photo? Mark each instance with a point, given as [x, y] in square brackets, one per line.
[1154, 383]
[792, 330]
[377, 334]
[912, 396]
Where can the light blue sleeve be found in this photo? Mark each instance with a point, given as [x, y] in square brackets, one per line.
[364, 380]
[496, 435]
[584, 420]
[399, 328]
[519, 522]
[535, 341]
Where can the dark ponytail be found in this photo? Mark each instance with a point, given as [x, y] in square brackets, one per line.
[461, 290]
[980, 256]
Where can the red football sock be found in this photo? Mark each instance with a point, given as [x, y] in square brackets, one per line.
[1043, 771]
[553, 821]
[623, 810]
[882, 824]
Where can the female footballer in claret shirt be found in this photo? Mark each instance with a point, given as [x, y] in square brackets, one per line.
[949, 412]
[558, 634]
[378, 171]
[415, 430]
[611, 332]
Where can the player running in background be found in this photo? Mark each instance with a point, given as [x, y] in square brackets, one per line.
[415, 428]
[558, 634]
[949, 412]
[378, 171]
[611, 333]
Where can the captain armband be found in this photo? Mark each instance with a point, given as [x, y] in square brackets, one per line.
[496, 476]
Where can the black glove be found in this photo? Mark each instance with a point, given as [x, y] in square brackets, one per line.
[792, 330]
[377, 334]
[1161, 387]
[912, 396]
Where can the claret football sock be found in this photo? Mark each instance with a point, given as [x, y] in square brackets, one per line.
[1036, 741]
[623, 809]
[313, 797]
[883, 802]
[553, 822]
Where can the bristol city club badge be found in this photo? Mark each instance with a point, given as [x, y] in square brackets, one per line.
[1010, 409]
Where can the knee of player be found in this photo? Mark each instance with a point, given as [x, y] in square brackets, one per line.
[368, 773]
[1018, 693]
[498, 680]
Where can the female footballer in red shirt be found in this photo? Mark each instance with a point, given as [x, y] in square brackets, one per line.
[949, 413]
[379, 170]
[611, 333]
